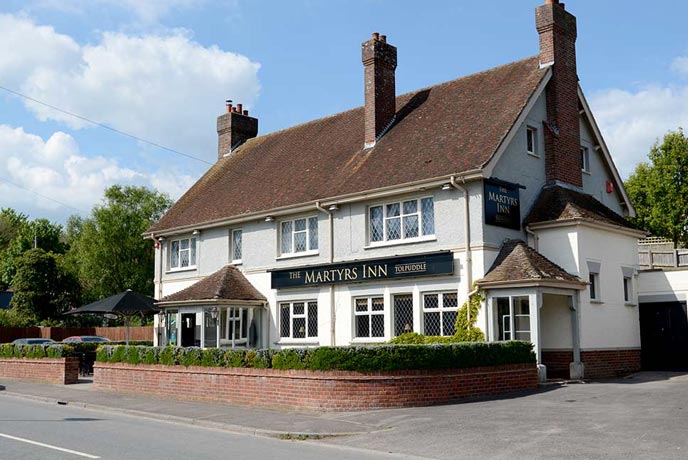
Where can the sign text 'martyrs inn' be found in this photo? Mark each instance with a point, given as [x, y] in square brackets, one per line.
[441, 263]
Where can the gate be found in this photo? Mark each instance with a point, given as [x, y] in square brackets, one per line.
[664, 335]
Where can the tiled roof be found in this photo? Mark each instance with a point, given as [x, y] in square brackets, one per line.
[450, 128]
[518, 262]
[559, 203]
[228, 283]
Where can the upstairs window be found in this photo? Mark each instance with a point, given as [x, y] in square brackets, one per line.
[183, 253]
[531, 140]
[403, 220]
[236, 246]
[299, 235]
[585, 159]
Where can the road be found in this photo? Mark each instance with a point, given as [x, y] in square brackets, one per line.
[32, 430]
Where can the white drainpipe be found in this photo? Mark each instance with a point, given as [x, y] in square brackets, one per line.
[467, 240]
[331, 259]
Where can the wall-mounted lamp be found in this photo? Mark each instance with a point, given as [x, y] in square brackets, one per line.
[195, 232]
[446, 187]
[214, 312]
[333, 207]
[269, 219]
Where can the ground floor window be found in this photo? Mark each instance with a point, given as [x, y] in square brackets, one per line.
[439, 313]
[234, 325]
[513, 318]
[369, 317]
[299, 320]
[171, 322]
[403, 313]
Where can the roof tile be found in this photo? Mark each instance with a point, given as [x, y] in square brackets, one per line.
[228, 283]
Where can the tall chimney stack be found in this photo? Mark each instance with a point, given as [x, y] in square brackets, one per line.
[557, 30]
[234, 128]
[379, 63]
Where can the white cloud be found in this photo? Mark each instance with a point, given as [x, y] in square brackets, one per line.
[632, 121]
[55, 168]
[163, 88]
[680, 65]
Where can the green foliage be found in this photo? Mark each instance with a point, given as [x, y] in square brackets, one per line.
[10, 318]
[107, 250]
[43, 289]
[38, 351]
[659, 189]
[413, 338]
[361, 359]
[20, 235]
[465, 328]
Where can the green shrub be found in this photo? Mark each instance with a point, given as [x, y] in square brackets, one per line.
[362, 358]
[296, 358]
[37, 351]
[6, 350]
[145, 343]
[191, 356]
[414, 338]
[234, 358]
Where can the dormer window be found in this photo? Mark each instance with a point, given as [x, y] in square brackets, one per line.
[183, 253]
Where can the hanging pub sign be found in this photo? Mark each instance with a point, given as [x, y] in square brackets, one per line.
[437, 263]
[502, 204]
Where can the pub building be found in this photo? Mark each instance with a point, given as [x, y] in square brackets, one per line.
[360, 226]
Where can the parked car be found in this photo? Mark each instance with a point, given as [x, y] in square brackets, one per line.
[85, 339]
[32, 341]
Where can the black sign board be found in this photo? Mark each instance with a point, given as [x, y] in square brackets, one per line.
[502, 204]
[438, 263]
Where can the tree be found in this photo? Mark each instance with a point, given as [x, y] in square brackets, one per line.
[19, 235]
[659, 189]
[43, 289]
[107, 249]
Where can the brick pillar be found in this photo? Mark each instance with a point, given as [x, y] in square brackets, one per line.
[379, 63]
[557, 30]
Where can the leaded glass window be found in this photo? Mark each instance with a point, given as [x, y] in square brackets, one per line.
[299, 320]
[299, 235]
[439, 313]
[183, 253]
[236, 245]
[369, 317]
[405, 220]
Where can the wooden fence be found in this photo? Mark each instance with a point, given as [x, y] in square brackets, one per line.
[7, 334]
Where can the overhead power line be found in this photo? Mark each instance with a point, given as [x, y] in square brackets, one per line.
[103, 125]
[41, 195]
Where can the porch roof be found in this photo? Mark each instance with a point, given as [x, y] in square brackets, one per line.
[519, 264]
[225, 285]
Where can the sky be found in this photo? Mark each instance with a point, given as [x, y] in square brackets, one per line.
[160, 70]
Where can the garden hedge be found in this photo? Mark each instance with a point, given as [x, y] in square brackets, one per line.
[53, 350]
[363, 359]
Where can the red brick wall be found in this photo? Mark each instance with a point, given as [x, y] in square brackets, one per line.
[557, 363]
[601, 364]
[311, 390]
[50, 370]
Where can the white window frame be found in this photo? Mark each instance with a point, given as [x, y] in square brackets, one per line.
[628, 288]
[585, 159]
[370, 313]
[308, 334]
[532, 132]
[232, 246]
[192, 263]
[594, 288]
[510, 320]
[441, 308]
[401, 240]
[293, 253]
[232, 316]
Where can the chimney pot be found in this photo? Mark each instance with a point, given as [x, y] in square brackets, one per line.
[246, 112]
[239, 108]
[376, 36]
[383, 38]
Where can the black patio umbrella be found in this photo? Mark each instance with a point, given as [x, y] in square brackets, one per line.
[125, 304]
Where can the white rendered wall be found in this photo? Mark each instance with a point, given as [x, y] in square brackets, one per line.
[555, 323]
[662, 286]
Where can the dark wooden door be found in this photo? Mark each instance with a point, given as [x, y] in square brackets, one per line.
[664, 335]
[188, 329]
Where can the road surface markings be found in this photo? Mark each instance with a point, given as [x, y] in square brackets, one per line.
[35, 443]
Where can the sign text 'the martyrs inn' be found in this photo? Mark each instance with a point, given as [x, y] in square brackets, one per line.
[440, 263]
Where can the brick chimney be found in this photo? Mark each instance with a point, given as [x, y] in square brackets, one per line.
[379, 63]
[234, 128]
[557, 30]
